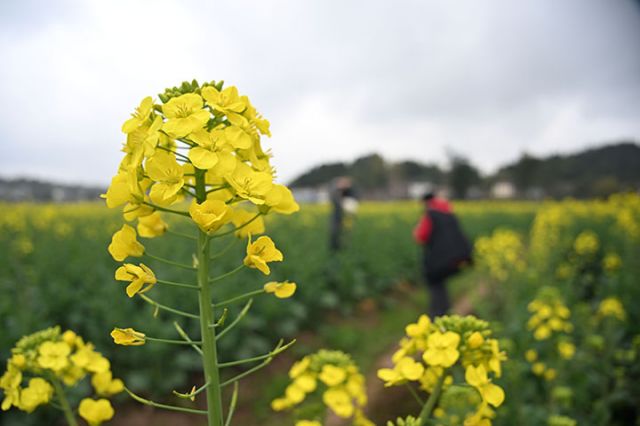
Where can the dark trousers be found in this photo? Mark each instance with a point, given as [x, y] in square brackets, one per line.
[439, 297]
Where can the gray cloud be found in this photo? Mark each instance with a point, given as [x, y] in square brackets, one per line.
[337, 79]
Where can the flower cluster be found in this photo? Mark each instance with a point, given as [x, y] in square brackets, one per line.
[586, 244]
[501, 253]
[611, 307]
[50, 359]
[432, 349]
[335, 375]
[549, 314]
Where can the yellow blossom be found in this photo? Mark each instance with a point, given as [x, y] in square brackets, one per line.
[53, 355]
[531, 355]
[332, 375]
[299, 367]
[124, 244]
[566, 350]
[95, 411]
[308, 423]
[168, 176]
[185, 115]
[612, 307]
[151, 226]
[420, 328]
[477, 377]
[282, 290]
[538, 368]
[140, 116]
[247, 223]
[89, 359]
[475, 340]
[138, 275]
[280, 200]
[442, 349]
[294, 394]
[211, 214]
[260, 252]
[37, 393]
[306, 382]
[212, 150]
[10, 384]
[339, 401]
[550, 374]
[105, 384]
[18, 360]
[127, 337]
[249, 184]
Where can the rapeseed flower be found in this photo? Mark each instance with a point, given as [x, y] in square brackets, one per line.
[261, 252]
[95, 412]
[38, 392]
[138, 275]
[211, 214]
[185, 115]
[151, 226]
[281, 290]
[127, 337]
[491, 393]
[124, 244]
[442, 349]
[53, 355]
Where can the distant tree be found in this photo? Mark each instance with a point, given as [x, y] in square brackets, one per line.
[370, 172]
[525, 172]
[412, 171]
[320, 175]
[462, 175]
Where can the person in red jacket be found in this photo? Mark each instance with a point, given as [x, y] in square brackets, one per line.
[446, 249]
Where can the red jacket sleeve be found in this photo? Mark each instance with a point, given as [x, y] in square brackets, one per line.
[422, 231]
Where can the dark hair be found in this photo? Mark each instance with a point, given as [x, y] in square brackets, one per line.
[428, 196]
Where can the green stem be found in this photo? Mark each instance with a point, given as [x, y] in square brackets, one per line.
[171, 341]
[275, 352]
[167, 308]
[425, 414]
[64, 403]
[225, 275]
[186, 337]
[164, 406]
[164, 209]
[207, 318]
[232, 404]
[177, 284]
[170, 262]
[239, 298]
[415, 394]
[241, 315]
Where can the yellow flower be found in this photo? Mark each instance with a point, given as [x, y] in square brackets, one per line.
[249, 184]
[95, 411]
[299, 367]
[280, 200]
[612, 307]
[306, 382]
[542, 333]
[124, 244]
[185, 115]
[280, 404]
[531, 355]
[211, 214]
[611, 262]
[127, 337]
[566, 350]
[405, 369]
[89, 359]
[497, 356]
[477, 377]
[18, 361]
[550, 374]
[260, 252]
[294, 394]
[140, 116]
[123, 189]
[53, 355]
[105, 384]
[138, 275]
[226, 101]
[331, 375]
[339, 401]
[212, 150]
[168, 176]
[420, 328]
[141, 143]
[308, 423]
[152, 225]
[442, 349]
[37, 393]
[241, 217]
[282, 290]
[475, 340]
[538, 368]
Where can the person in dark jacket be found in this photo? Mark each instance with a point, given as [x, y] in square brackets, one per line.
[446, 250]
[343, 203]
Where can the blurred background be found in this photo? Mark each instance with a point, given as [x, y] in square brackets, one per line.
[524, 114]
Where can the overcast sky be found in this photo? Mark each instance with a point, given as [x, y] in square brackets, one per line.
[337, 79]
